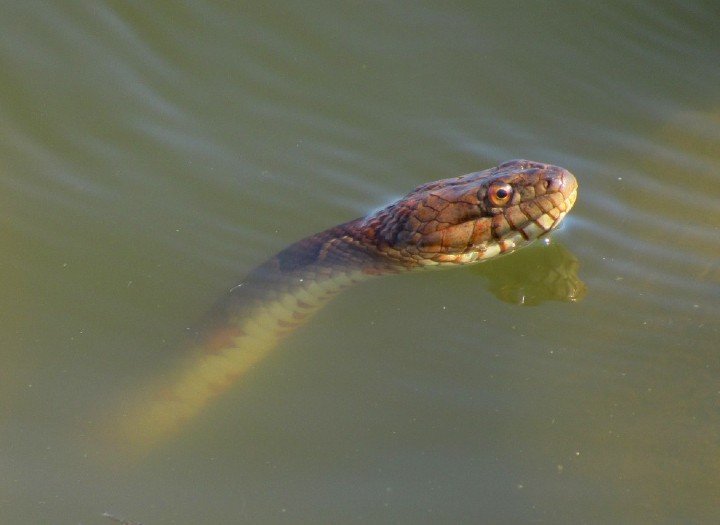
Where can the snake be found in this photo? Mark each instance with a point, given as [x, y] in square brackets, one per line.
[447, 223]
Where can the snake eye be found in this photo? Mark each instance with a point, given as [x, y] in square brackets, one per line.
[500, 194]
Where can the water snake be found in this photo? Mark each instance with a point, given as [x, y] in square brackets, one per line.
[450, 222]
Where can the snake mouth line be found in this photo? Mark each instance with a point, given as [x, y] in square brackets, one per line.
[547, 222]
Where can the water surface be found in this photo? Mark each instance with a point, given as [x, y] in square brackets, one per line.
[153, 154]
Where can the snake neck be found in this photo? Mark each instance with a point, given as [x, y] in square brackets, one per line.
[289, 287]
[347, 247]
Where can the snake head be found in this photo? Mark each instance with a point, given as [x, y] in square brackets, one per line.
[476, 216]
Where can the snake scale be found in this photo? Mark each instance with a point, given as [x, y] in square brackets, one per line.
[450, 222]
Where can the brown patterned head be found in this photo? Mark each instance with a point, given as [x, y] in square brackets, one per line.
[476, 216]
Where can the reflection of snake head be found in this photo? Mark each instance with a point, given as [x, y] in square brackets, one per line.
[473, 217]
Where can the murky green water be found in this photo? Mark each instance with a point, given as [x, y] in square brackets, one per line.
[150, 155]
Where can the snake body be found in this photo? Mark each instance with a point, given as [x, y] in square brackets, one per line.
[450, 222]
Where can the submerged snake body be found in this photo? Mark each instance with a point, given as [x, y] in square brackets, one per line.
[450, 222]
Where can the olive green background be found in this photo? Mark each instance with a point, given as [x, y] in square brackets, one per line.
[151, 153]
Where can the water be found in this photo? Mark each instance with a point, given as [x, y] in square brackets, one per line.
[153, 154]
